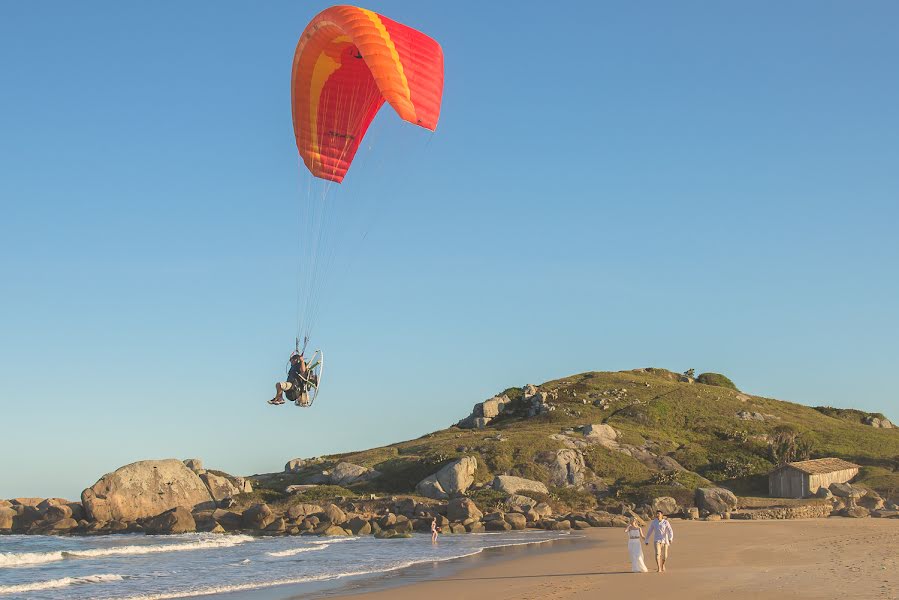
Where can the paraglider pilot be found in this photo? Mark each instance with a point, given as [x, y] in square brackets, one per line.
[296, 388]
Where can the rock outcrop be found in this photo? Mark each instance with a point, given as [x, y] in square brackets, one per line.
[347, 474]
[715, 500]
[666, 504]
[294, 465]
[566, 467]
[517, 485]
[454, 478]
[484, 412]
[880, 423]
[176, 520]
[145, 489]
[462, 510]
[342, 474]
[220, 488]
[536, 401]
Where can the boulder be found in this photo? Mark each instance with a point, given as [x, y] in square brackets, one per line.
[871, 501]
[359, 526]
[387, 521]
[347, 474]
[844, 490]
[145, 489]
[855, 512]
[176, 520]
[334, 530]
[885, 514]
[602, 434]
[453, 479]
[279, 525]
[462, 509]
[600, 518]
[499, 525]
[579, 524]
[294, 465]
[258, 516]
[509, 484]
[57, 512]
[521, 503]
[715, 500]
[566, 467]
[404, 506]
[7, 516]
[666, 504]
[484, 412]
[298, 512]
[475, 527]
[229, 520]
[561, 525]
[878, 422]
[334, 514]
[244, 485]
[220, 488]
[692, 513]
[494, 516]
[824, 493]
[194, 464]
[491, 408]
[403, 525]
[516, 520]
[299, 488]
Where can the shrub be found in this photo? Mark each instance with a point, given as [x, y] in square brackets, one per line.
[788, 446]
[664, 477]
[692, 456]
[572, 498]
[489, 500]
[320, 493]
[716, 379]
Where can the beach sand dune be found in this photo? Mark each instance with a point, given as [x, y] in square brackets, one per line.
[735, 560]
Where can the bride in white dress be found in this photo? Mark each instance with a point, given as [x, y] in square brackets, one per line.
[635, 547]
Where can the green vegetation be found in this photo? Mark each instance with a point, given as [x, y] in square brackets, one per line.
[321, 493]
[715, 379]
[653, 410]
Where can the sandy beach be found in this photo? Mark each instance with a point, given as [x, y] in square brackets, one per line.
[807, 559]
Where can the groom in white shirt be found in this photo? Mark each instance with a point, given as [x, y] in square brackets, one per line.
[662, 535]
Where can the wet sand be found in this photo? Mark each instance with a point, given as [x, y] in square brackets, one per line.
[802, 559]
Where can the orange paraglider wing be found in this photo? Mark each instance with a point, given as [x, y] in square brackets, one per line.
[348, 62]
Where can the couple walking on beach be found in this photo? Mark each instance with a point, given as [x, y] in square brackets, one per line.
[661, 534]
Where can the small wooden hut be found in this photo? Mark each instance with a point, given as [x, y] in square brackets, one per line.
[804, 478]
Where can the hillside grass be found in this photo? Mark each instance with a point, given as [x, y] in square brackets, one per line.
[694, 423]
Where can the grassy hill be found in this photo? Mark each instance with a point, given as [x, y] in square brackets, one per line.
[715, 432]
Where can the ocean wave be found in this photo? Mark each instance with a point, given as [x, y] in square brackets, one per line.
[22, 559]
[244, 587]
[294, 551]
[57, 583]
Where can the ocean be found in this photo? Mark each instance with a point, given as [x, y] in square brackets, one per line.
[144, 567]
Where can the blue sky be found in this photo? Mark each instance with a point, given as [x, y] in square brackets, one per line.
[611, 186]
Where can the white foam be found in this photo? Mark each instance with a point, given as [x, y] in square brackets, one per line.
[54, 584]
[20, 559]
[243, 587]
[295, 551]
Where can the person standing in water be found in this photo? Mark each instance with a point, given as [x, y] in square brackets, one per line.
[662, 536]
[634, 548]
[434, 530]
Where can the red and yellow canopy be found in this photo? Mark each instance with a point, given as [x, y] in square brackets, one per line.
[348, 62]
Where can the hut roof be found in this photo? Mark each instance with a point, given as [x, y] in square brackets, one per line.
[821, 465]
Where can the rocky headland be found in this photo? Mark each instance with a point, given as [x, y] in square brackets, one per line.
[592, 450]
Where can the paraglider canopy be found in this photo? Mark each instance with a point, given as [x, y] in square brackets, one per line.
[348, 62]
